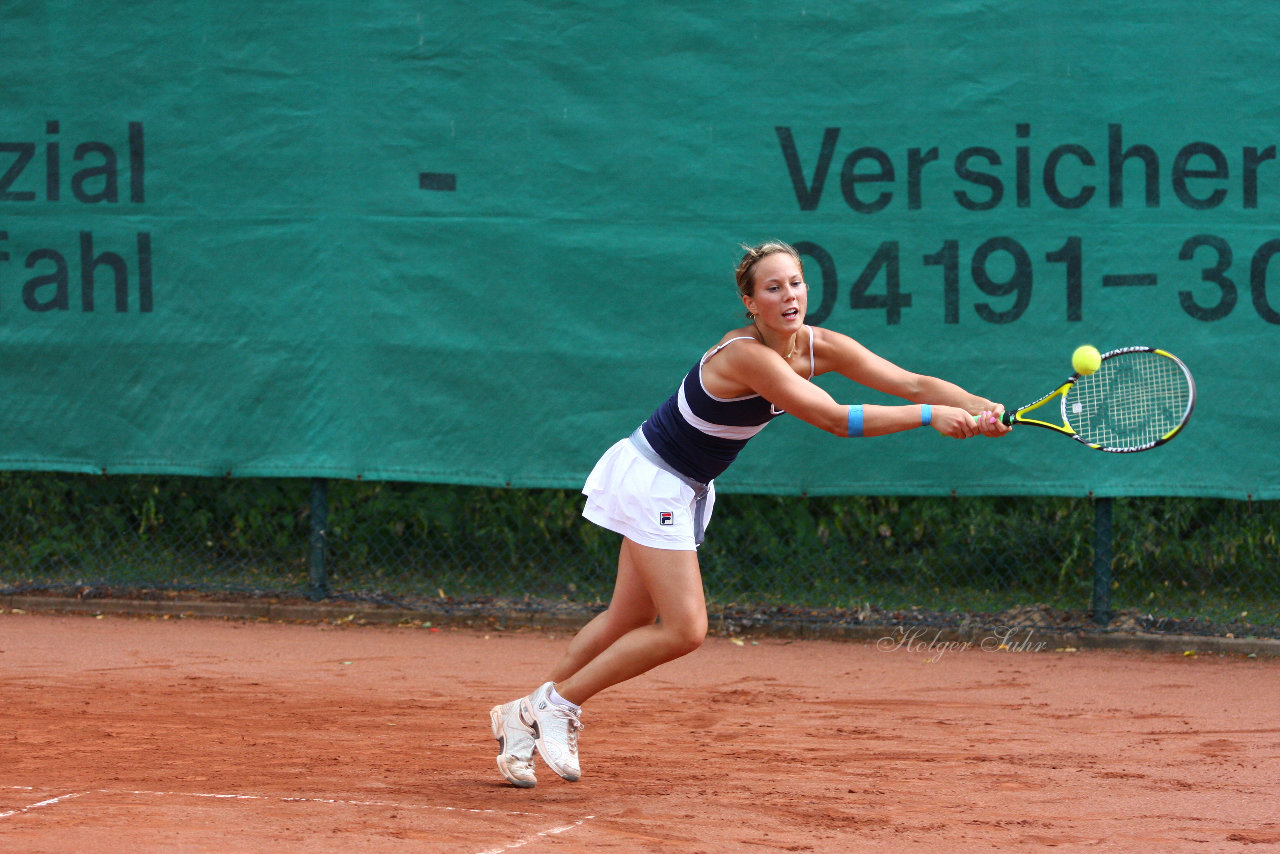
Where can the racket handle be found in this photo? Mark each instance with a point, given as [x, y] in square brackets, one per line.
[1005, 418]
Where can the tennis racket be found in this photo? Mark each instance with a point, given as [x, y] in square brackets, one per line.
[1139, 397]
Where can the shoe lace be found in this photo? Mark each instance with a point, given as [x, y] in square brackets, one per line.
[574, 723]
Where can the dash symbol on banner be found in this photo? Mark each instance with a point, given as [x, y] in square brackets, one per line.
[1127, 280]
[446, 181]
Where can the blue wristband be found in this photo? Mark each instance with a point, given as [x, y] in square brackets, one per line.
[855, 421]
[926, 415]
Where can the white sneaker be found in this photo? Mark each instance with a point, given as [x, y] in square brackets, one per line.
[555, 730]
[515, 745]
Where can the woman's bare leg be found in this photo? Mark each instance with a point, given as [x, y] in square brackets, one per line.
[625, 641]
[630, 607]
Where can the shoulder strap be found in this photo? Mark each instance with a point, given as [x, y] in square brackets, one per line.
[720, 347]
[813, 362]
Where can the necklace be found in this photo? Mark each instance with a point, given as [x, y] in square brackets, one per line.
[795, 342]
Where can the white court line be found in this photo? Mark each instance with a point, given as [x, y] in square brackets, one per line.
[333, 801]
[44, 803]
[280, 798]
[523, 842]
[520, 843]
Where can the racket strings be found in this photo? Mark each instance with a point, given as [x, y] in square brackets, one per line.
[1131, 401]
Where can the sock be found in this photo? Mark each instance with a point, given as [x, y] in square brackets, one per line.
[556, 699]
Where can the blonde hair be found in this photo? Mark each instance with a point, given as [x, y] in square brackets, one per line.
[746, 272]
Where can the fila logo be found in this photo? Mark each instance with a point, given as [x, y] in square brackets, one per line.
[665, 518]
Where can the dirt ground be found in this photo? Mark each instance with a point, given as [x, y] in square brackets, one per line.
[168, 735]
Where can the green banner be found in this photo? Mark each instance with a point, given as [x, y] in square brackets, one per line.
[478, 244]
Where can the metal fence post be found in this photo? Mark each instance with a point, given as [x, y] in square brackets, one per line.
[1102, 555]
[319, 539]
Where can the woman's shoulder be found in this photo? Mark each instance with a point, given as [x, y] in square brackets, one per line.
[832, 351]
[734, 334]
[743, 332]
[824, 338]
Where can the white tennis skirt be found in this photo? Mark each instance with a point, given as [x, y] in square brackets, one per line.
[630, 495]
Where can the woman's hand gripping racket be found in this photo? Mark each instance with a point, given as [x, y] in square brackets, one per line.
[1138, 398]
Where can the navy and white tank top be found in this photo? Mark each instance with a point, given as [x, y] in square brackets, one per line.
[699, 434]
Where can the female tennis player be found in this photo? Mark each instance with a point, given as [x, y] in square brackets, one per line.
[655, 488]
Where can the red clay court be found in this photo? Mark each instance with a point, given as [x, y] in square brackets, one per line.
[168, 735]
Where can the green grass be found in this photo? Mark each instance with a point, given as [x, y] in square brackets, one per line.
[1203, 558]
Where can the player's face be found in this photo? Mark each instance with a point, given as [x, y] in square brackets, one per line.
[781, 296]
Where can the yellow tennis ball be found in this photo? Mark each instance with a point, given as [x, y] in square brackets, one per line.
[1086, 359]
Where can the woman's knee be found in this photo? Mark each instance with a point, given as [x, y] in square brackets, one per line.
[623, 620]
[687, 634]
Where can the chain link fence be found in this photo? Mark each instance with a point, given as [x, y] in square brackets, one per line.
[1204, 566]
